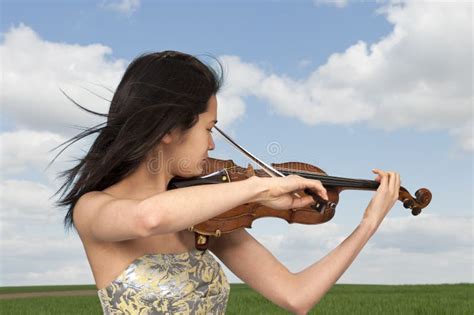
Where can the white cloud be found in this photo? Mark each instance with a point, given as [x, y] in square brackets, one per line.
[403, 250]
[33, 70]
[25, 149]
[25, 169]
[304, 63]
[415, 77]
[239, 81]
[465, 134]
[58, 259]
[126, 7]
[390, 266]
[412, 78]
[26, 201]
[337, 3]
[31, 229]
[425, 234]
[72, 273]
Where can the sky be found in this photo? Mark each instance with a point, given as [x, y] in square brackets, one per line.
[346, 86]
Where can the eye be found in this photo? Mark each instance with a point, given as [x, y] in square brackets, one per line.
[210, 130]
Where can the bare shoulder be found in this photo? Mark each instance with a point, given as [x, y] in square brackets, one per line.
[88, 206]
[110, 218]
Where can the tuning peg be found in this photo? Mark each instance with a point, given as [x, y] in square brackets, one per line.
[416, 211]
[408, 203]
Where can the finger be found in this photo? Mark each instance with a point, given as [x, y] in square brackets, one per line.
[302, 202]
[378, 172]
[398, 182]
[383, 177]
[395, 185]
[384, 180]
[392, 182]
[318, 187]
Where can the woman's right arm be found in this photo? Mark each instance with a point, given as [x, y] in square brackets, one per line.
[105, 218]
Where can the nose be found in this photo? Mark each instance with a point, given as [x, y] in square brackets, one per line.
[211, 143]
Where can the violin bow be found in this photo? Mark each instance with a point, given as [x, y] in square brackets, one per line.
[320, 205]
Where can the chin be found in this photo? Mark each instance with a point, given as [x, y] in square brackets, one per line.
[197, 171]
[200, 170]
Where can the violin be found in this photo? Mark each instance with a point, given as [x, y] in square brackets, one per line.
[217, 171]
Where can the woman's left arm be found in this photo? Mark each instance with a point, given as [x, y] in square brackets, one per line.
[299, 292]
[296, 292]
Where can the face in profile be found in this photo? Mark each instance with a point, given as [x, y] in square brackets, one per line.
[188, 150]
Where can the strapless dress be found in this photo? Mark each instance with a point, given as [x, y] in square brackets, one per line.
[185, 283]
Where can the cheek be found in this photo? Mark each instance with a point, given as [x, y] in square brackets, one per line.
[201, 140]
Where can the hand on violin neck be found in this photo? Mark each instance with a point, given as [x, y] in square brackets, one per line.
[384, 198]
[278, 192]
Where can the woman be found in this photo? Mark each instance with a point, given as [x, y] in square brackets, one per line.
[134, 230]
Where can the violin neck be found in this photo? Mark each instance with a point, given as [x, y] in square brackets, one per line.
[340, 183]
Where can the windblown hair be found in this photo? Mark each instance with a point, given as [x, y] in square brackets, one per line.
[157, 93]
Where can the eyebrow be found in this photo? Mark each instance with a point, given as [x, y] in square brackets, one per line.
[214, 121]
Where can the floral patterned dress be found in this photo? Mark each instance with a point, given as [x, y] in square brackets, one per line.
[185, 283]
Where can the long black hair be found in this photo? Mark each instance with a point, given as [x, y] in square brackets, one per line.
[158, 92]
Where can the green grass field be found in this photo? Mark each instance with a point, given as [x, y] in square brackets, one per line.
[342, 299]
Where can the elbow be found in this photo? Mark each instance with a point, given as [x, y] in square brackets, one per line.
[297, 302]
[297, 308]
[150, 220]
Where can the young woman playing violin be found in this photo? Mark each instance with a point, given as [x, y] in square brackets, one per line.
[134, 230]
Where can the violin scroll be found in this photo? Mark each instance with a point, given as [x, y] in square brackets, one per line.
[416, 204]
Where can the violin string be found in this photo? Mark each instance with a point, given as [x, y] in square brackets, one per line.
[328, 180]
[334, 180]
[322, 176]
[341, 181]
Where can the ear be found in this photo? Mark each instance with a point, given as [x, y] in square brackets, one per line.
[167, 138]
[171, 136]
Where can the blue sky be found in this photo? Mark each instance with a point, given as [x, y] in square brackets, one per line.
[263, 31]
[346, 86]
